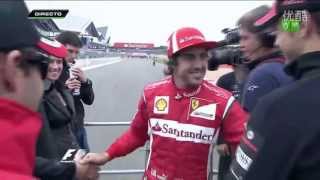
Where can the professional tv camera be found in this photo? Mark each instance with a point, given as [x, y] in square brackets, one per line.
[228, 50]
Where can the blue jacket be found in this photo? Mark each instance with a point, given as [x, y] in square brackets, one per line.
[266, 75]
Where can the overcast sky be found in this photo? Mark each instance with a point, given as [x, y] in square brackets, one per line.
[153, 21]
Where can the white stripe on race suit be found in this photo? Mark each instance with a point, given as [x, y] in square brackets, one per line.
[210, 156]
[210, 162]
[182, 132]
[144, 98]
[150, 151]
[226, 109]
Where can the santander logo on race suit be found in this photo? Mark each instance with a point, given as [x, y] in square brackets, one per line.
[182, 132]
[156, 128]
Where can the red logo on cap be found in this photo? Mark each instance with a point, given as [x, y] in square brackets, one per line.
[187, 37]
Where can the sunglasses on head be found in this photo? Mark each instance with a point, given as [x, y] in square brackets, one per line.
[34, 58]
[73, 51]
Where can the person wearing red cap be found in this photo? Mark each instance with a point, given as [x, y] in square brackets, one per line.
[57, 109]
[282, 138]
[57, 100]
[180, 115]
[22, 70]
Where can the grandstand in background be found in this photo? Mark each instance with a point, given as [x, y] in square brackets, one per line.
[96, 40]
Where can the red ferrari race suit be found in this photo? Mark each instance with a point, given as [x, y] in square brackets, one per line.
[19, 127]
[182, 126]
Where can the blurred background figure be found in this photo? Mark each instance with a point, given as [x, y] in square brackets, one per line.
[75, 79]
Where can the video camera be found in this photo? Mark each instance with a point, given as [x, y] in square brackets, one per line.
[227, 51]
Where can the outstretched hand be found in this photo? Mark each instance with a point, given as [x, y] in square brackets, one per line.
[86, 171]
[95, 158]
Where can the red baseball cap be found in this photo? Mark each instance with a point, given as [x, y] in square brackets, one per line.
[52, 47]
[187, 37]
[280, 6]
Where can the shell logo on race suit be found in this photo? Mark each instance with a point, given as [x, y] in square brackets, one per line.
[182, 132]
[161, 105]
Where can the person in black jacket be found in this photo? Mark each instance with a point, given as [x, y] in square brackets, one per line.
[72, 42]
[282, 137]
[233, 82]
[48, 165]
[57, 109]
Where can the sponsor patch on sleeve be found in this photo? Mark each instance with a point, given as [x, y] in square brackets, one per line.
[246, 153]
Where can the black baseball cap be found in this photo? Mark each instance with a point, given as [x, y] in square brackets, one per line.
[280, 6]
[16, 29]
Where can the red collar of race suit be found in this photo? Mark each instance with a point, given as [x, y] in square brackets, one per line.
[185, 92]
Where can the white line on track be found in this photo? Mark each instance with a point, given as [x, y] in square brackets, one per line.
[100, 65]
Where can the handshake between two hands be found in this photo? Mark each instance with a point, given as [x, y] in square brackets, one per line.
[87, 165]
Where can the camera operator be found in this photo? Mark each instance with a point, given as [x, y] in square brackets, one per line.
[265, 61]
[233, 82]
[228, 53]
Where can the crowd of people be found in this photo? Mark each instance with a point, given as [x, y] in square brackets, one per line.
[261, 118]
[41, 116]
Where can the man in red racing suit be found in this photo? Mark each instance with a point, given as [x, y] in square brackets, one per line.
[181, 123]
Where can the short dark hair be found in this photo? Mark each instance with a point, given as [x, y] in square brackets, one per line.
[68, 37]
[315, 16]
[171, 64]
[248, 19]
